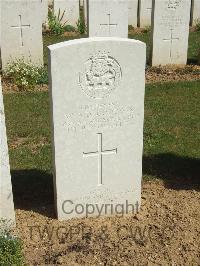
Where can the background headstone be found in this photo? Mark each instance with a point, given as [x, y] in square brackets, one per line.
[97, 90]
[108, 18]
[21, 32]
[0, 34]
[70, 9]
[132, 12]
[170, 32]
[6, 196]
[195, 12]
[145, 10]
[85, 7]
[44, 4]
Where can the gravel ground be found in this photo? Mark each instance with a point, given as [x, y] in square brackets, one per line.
[165, 232]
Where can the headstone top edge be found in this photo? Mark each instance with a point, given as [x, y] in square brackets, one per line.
[94, 39]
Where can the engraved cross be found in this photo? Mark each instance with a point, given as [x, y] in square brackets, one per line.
[171, 41]
[109, 24]
[20, 26]
[99, 153]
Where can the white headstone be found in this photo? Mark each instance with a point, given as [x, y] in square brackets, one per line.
[44, 4]
[6, 196]
[97, 90]
[132, 12]
[50, 3]
[85, 6]
[69, 11]
[21, 32]
[170, 31]
[0, 34]
[195, 12]
[145, 9]
[108, 18]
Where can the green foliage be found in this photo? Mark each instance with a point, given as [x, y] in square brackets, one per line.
[81, 26]
[10, 248]
[43, 76]
[69, 28]
[130, 27]
[197, 25]
[147, 29]
[26, 75]
[55, 22]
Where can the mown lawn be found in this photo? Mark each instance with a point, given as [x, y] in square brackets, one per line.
[193, 50]
[171, 130]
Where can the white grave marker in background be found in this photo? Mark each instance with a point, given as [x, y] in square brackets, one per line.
[108, 18]
[170, 32]
[195, 12]
[6, 196]
[21, 32]
[132, 12]
[44, 4]
[145, 10]
[70, 9]
[97, 90]
[85, 6]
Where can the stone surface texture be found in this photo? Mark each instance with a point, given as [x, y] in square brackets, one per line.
[97, 94]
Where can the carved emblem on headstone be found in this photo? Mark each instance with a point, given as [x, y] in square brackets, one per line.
[102, 74]
[173, 4]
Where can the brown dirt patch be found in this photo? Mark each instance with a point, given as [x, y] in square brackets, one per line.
[10, 87]
[166, 232]
[172, 73]
[153, 75]
[137, 30]
[71, 34]
[31, 143]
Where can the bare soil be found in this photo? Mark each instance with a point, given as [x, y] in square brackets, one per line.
[172, 73]
[166, 232]
[153, 75]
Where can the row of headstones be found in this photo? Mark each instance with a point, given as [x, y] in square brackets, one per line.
[139, 11]
[21, 33]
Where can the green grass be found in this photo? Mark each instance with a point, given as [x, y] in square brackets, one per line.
[29, 130]
[52, 39]
[171, 131]
[193, 50]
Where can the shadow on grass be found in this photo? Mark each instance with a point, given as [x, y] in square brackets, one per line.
[177, 172]
[192, 61]
[33, 190]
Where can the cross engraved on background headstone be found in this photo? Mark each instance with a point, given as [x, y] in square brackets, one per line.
[99, 153]
[109, 24]
[171, 41]
[20, 26]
